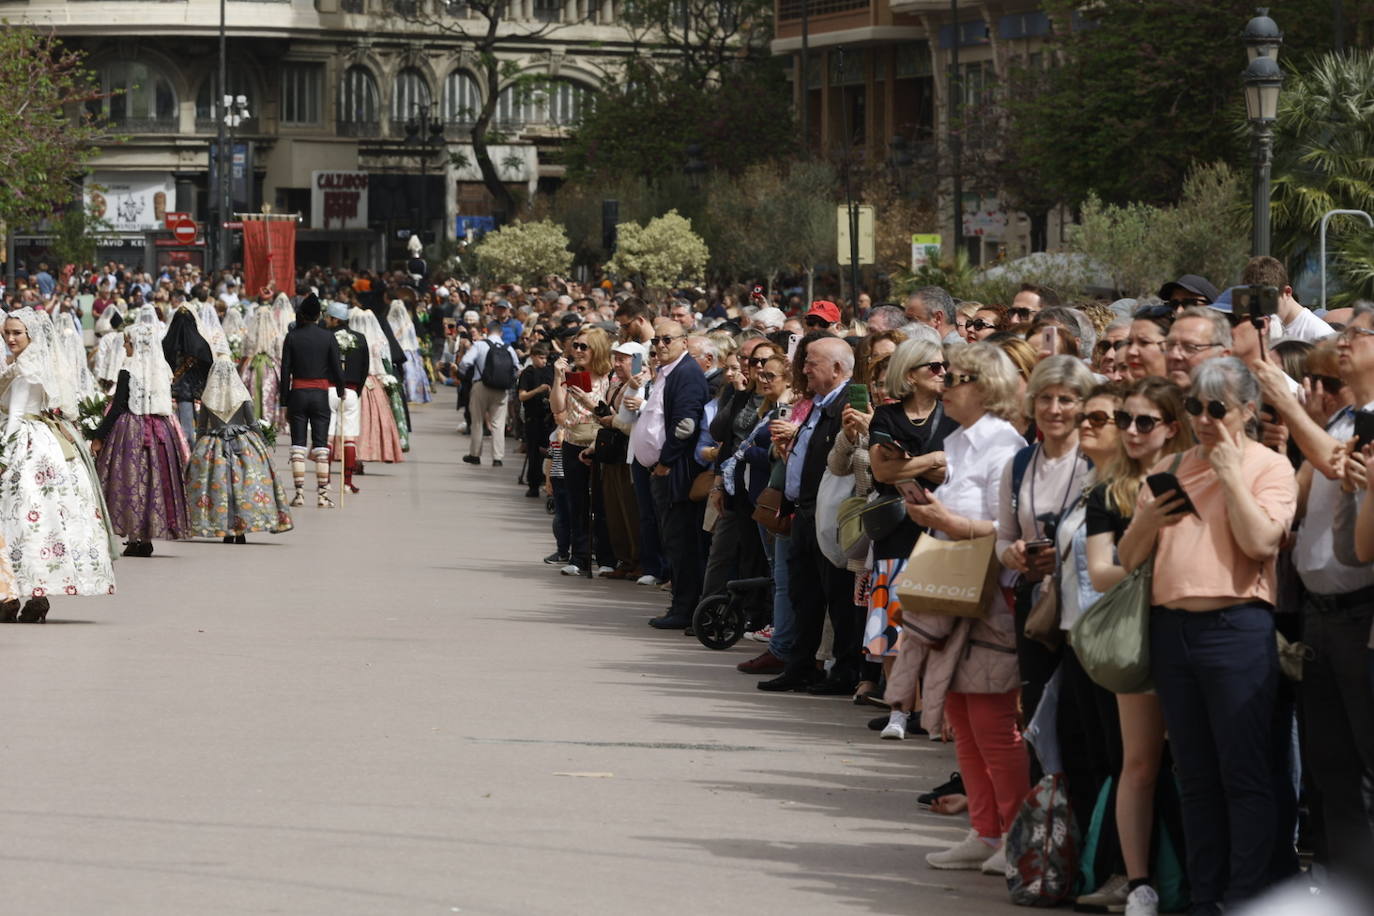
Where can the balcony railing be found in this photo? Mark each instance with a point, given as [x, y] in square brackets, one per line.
[791, 10]
[359, 128]
[144, 125]
[210, 126]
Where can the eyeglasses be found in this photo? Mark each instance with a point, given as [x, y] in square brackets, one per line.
[936, 368]
[954, 381]
[1192, 349]
[664, 341]
[979, 324]
[580, 346]
[1215, 409]
[1350, 332]
[1143, 342]
[1056, 400]
[1097, 419]
[1143, 422]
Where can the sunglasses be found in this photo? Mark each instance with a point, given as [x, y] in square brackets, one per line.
[1215, 409]
[1097, 419]
[1121, 344]
[767, 376]
[759, 361]
[954, 381]
[1143, 422]
[1187, 301]
[580, 346]
[936, 368]
[815, 321]
[1020, 314]
[1330, 383]
[979, 324]
[664, 341]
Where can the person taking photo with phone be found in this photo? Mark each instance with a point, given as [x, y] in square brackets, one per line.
[1212, 645]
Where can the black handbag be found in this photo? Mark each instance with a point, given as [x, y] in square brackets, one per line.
[611, 446]
[882, 517]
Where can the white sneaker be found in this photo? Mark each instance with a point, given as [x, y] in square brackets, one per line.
[647, 580]
[968, 855]
[996, 864]
[895, 730]
[764, 634]
[604, 570]
[1143, 901]
[1111, 896]
[571, 570]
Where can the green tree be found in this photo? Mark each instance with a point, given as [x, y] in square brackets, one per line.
[663, 253]
[43, 149]
[1145, 90]
[524, 252]
[76, 234]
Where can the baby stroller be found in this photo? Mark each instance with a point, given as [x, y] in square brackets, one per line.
[720, 621]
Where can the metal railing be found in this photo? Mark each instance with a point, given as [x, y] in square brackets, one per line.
[358, 128]
[791, 10]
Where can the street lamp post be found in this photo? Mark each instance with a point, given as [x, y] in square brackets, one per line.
[1263, 79]
[426, 134]
[233, 110]
[221, 233]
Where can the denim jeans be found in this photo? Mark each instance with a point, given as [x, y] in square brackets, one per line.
[651, 559]
[562, 518]
[784, 641]
[1217, 675]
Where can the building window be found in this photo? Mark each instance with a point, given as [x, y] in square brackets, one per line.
[791, 10]
[359, 105]
[409, 95]
[300, 93]
[207, 105]
[137, 97]
[568, 102]
[548, 10]
[514, 106]
[462, 100]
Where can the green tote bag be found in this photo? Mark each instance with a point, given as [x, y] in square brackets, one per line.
[1112, 637]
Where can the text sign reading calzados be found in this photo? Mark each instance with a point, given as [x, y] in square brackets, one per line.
[338, 200]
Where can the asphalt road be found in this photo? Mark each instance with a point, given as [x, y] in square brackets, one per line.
[398, 709]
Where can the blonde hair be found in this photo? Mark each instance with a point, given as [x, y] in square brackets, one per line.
[598, 350]
[908, 355]
[998, 379]
[1123, 475]
[1021, 354]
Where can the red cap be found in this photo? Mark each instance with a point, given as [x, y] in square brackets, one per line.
[825, 309]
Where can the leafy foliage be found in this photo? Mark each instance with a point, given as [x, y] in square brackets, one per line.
[665, 252]
[76, 234]
[42, 150]
[524, 252]
[770, 218]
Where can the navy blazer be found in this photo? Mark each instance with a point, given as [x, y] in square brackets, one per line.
[685, 394]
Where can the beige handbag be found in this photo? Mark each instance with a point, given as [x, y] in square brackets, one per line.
[950, 578]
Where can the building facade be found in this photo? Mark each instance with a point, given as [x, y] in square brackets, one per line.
[877, 79]
[329, 87]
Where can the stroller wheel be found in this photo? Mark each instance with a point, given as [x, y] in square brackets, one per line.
[718, 623]
[548, 505]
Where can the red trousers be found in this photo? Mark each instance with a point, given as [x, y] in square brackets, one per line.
[992, 757]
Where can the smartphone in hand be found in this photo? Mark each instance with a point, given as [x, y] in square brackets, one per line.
[858, 397]
[913, 492]
[1163, 483]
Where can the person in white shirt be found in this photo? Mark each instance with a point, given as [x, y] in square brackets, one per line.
[1298, 323]
[488, 401]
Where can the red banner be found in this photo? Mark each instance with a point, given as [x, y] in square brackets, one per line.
[269, 255]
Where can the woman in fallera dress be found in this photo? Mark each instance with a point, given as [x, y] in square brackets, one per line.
[230, 483]
[138, 452]
[382, 438]
[403, 326]
[52, 515]
[261, 372]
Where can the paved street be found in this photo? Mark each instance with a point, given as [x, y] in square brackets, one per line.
[397, 709]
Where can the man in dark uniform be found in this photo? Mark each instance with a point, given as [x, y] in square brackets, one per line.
[310, 366]
[347, 409]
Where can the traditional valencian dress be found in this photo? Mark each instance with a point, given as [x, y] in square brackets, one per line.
[261, 371]
[403, 326]
[141, 464]
[52, 515]
[380, 436]
[230, 483]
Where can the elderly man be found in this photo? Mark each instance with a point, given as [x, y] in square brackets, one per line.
[885, 318]
[663, 441]
[1197, 335]
[682, 313]
[934, 306]
[817, 587]
[768, 319]
[703, 350]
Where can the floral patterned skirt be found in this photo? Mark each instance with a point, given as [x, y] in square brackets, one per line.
[416, 379]
[232, 487]
[263, 380]
[52, 517]
[380, 439]
[884, 622]
[142, 471]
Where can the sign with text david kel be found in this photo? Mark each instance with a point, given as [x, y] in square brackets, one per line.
[338, 200]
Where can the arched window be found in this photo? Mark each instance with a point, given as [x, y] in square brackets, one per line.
[409, 94]
[359, 105]
[514, 106]
[462, 99]
[568, 102]
[207, 106]
[136, 96]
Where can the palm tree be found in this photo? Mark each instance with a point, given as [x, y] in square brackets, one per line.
[1324, 160]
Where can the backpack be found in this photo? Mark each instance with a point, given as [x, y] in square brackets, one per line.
[498, 369]
[1042, 846]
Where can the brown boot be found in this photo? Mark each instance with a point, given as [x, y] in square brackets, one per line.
[767, 663]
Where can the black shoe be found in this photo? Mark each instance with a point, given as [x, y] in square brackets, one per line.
[955, 786]
[35, 611]
[9, 611]
[554, 559]
[228, 539]
[531, 494]
[496, 462]
[831, 688]
[787, 682]
[471, 459]
[669, 622]
[878, 724]
[240, 539]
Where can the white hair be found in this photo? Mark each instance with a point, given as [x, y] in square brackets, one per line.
[919, 330]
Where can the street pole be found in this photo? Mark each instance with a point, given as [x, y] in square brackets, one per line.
[851, 210]
[955, 143]
[1264, 157]
[804, 77]
[1321, 257]
[221, 233]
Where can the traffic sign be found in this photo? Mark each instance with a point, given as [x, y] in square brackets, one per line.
[184, 230]
[172, 218]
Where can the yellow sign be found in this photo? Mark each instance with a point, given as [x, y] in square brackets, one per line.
[925, 249]
[865, 234]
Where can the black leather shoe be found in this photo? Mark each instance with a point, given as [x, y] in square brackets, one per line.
[471, 459]
[787, 682]
[831, 688]
[669, 622]
[496, 463]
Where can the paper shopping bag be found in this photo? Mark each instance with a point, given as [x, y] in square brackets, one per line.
[954, 578]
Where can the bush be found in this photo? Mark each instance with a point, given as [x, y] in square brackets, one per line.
[524, 252]
[665, 252]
